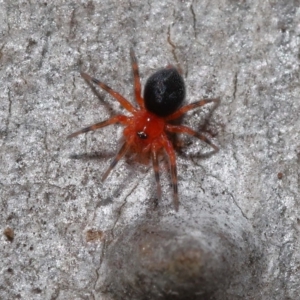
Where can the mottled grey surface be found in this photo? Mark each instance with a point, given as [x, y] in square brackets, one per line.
[73, 237]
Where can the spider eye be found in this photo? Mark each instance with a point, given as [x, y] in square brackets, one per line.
[142, 135]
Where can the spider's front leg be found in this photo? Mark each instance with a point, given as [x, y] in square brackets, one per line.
[173, 168]
[154, 152]
[113, 120]
[125, 147]
[187, 130]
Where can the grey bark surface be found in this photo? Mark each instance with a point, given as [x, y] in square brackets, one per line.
[67, 235]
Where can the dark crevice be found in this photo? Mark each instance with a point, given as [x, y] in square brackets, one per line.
[235, 81]
[8, 118]
[194, 20]
[172, 45]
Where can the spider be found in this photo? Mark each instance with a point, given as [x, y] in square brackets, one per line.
[146, 130]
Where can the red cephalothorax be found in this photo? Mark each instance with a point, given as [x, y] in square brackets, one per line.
[146, 130]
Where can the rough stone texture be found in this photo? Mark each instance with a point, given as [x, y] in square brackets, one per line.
[65, 235]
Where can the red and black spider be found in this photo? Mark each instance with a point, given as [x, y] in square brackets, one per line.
[146, 130]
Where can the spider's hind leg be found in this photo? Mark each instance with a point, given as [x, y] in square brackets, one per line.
[136, 79]
[177, 114]
[124, 102]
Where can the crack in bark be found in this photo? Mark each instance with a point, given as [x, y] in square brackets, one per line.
[8, 118]
[194, 19]
[172, 45]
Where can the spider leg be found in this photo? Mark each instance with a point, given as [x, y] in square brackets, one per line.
[156, 171]
[173, 168]
[187, 130]
[116, 119]
[124, 102]
[191, 106]
[137, 81]
[125, 147]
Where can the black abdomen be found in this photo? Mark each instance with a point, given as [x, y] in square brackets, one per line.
[164, 92]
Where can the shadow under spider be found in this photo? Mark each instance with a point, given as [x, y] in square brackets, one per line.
[121, 186]
[181, 145]
[92, 155]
